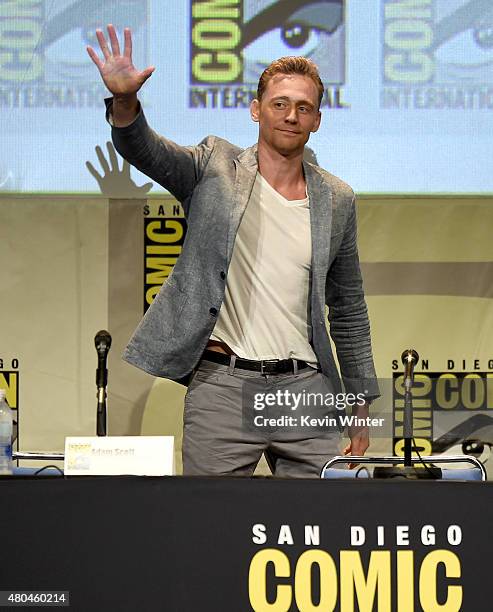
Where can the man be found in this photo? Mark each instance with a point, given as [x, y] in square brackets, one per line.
[270, 241]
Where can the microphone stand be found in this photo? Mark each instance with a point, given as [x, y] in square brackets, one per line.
[102, 342]
[101, 382]
[413, 468]
[409, 359]
[410, 469]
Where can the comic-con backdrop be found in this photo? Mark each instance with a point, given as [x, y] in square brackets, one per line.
[406, 113]
[409, 83]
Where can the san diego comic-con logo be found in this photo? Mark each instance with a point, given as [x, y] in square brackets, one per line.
[437, 54]
[452, 412]
[233, 41]
[43, 60]
[164, 234]
[9, 382]
[382, 567]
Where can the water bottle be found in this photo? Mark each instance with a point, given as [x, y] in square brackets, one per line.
[6, 427]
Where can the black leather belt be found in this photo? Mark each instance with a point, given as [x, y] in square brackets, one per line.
[266, 366]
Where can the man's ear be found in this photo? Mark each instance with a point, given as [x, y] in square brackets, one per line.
[254, 110]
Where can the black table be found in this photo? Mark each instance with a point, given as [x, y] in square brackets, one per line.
[186, 544]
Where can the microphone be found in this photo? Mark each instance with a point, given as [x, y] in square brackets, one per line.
[102, 342]
[409, 359]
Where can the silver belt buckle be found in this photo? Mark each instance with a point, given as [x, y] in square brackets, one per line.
[265, 361]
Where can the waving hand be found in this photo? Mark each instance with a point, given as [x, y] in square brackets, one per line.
[117, 71]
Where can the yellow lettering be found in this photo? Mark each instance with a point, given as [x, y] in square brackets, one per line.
[157, 249]
[489, 390]
[9, 383]
[164, 267]
[423, 445]
[377, 581]
[405, 580]
[30, 66]
[303, 581]
[151, 293]
[422, 384]
[216, 34]
[447, 396]
[201, 67]
[472, 385]
[421, 421]
[408, 9]
[408, 35]
[257, 581]
[154, 233]
[19, 33]
[428, 582]
[416, 67]
[216, 8]
[21, 8]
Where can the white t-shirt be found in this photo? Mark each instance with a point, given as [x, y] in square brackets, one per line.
[266, 313]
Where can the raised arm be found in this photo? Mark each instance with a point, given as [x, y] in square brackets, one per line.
[120, 75]
[176, 168]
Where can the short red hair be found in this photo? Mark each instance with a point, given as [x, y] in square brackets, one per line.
[291, 65]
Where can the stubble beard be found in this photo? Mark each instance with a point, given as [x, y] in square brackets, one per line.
[288, 149]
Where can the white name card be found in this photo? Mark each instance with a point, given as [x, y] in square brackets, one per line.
[119, 455]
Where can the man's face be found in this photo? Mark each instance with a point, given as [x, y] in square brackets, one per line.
[287, 114]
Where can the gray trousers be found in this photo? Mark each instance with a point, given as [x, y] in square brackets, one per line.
[216, 440]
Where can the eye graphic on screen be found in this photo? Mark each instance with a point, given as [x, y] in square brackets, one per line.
[465, 37]
[66, 35]
[474, 436]
[475, 448]
[291, 27]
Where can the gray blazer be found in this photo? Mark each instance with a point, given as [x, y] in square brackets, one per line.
[213, 181]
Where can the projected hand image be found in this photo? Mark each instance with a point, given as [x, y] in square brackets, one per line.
[116, 183]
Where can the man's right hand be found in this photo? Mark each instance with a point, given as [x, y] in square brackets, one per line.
[119, 74]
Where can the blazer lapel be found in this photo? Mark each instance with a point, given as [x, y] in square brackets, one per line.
[246, 171]
[320, 223]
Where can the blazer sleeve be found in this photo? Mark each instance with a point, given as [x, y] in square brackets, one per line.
[348, 315]
[176, 168]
